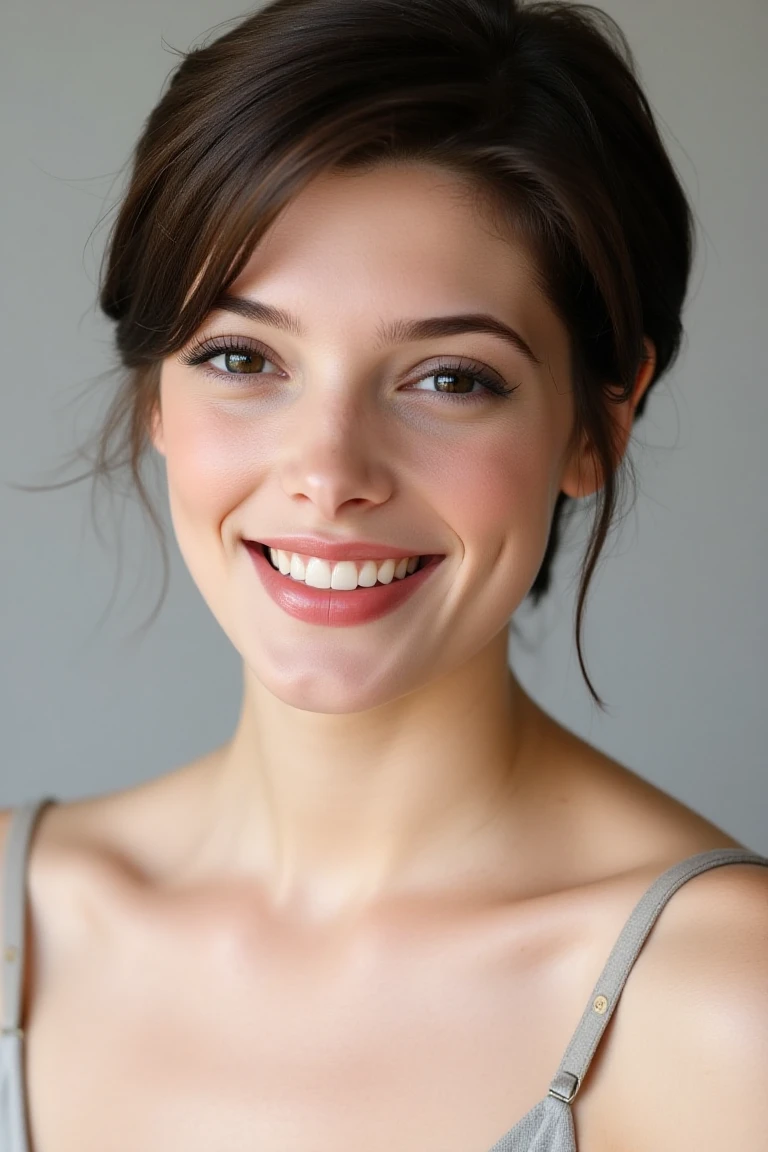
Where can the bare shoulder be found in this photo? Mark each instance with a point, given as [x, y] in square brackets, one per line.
[5, 824]
[83, 856]
[44, 853]
[91, 861]
[690, 1033]
[682, 1062]
[135, 833]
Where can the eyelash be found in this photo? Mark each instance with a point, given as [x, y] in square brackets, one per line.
[205, 350]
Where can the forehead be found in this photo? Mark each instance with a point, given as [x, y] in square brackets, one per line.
[422, 234]
[410, 202]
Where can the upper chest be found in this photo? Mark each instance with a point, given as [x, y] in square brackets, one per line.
[194, 1021]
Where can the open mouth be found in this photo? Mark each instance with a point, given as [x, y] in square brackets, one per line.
[339, 593]
[342, 575]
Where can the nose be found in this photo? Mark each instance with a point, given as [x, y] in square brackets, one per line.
[334, 452]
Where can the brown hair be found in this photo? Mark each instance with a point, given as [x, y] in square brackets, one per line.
[537, 104]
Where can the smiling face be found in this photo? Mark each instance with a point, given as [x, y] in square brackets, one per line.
[327, 429]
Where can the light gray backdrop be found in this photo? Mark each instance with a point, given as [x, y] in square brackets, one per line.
[676, 632]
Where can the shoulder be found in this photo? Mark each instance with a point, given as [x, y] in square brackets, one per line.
[77, 876]
[26, 889]
[690, 1033]
[5, 824]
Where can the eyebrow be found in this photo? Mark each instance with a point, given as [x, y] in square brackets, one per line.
[397, 331]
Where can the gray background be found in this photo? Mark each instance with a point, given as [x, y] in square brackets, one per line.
[676, 631]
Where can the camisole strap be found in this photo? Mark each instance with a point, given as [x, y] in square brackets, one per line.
[20, 829]
[605, 994]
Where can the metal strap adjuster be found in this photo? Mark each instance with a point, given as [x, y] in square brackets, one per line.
[564, 1086]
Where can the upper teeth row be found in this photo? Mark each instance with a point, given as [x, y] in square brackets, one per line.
[344, 574]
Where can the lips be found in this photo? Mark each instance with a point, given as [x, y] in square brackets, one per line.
[335, 608]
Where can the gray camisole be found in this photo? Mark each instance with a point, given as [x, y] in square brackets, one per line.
[547, 1127]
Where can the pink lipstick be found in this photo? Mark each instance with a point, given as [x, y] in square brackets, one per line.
[336, 608]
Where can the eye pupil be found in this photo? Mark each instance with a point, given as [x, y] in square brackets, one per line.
[451, 377]
[236, 360]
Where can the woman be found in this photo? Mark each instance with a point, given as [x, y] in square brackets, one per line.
[391, 284]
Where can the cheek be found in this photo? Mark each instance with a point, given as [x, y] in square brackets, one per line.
[496, 487]
[211, 461]
[212, 467]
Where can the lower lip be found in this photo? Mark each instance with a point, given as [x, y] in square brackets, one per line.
[332, 607]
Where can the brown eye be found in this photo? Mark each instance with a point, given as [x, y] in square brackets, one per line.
[237, 356]
[460, 380]
[240, 361]
[446, 381]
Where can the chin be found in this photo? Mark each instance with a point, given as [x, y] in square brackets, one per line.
[333, 689]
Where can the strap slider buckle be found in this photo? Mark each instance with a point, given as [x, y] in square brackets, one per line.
[564, 1086]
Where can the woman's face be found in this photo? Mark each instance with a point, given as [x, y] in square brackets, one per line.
[326, 428]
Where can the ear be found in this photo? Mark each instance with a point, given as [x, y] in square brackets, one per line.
[581, 476]
[156, 428]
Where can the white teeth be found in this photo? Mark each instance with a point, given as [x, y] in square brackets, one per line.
[318, 574]
[387, 571]
[367, 575]
[344, 575]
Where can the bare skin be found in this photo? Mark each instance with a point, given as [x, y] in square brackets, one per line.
[374, 916]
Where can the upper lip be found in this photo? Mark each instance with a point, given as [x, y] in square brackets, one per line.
[337, 550]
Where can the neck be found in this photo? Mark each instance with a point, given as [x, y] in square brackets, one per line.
[331, 811]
